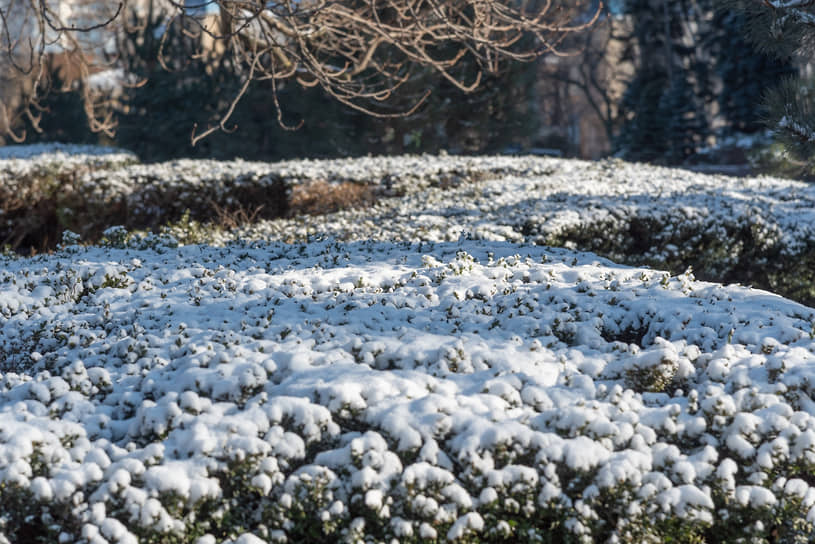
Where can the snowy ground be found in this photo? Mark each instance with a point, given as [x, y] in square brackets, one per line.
[410, 384]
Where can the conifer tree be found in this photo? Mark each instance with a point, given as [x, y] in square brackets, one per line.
[642, 136]
[666, 100]
[745, 71]
[686, 123]
[695, 64]
[786, 29]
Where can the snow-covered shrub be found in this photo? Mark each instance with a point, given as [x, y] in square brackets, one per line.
[40, 194]
[755, 231]
[654, 369]
[379, 391]
[412, 383]
[88, 191]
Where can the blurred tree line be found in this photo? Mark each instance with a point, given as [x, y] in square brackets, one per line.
[660, 80]
[698, 75]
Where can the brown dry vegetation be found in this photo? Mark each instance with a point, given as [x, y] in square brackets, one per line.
[318, 197]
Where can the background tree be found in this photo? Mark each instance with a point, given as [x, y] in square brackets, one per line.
[36, 39]
[787, 30]
[746, 70]
[687, 125]
[60, 112]
[360, 52]
[155, 117]
[697, 77]
[664, 106]
[597, 74]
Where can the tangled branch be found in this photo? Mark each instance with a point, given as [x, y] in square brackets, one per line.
[358, 51]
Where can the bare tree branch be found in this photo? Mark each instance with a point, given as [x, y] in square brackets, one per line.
[359, 51]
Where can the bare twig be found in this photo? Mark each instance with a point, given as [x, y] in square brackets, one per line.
[359, 51]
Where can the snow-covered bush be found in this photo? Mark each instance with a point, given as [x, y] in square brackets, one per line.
[419, 370]
[39, 191]
[463, 391]
[755, 231]
[85, 190]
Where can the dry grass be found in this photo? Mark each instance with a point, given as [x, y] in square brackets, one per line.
[320, 197]
[233, 218]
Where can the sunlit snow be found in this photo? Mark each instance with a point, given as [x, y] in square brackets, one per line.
[411, 389]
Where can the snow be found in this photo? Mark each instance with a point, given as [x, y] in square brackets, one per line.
[57, 152]
[468, 522]
[803, 132]
[435, 386]
[530, 199]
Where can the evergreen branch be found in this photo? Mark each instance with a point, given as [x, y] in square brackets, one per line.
[802, 133]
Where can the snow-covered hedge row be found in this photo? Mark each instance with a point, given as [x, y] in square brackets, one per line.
[30, 173]
[39, 190]
[84, 190]
[150, 195]
[64, 155]
[757, 231]
[467, 391]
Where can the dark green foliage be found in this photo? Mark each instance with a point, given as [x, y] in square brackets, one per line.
[776, 30]
[686, 124]
[695, 64]
[785, 30]
[736, 252]
[498, 114]
[745, 72]
[161, 113]
[158, 116]
[665, 103]
[791, 112]
[642, 136]
[165, 109]
[22, 520]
